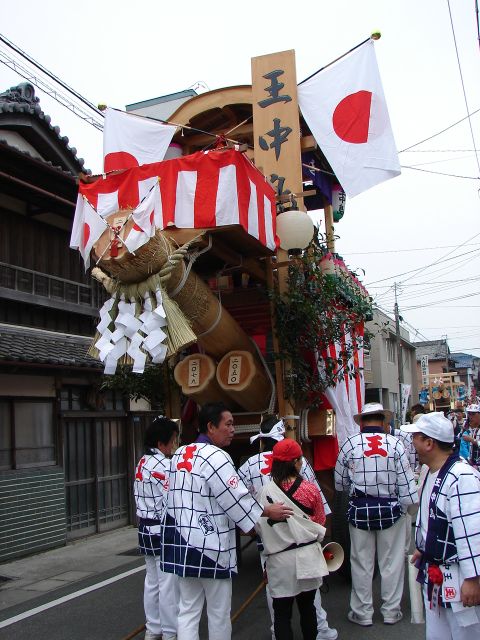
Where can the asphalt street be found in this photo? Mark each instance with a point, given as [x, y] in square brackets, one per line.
[114, 611]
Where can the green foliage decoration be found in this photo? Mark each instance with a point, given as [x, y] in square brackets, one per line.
[317, 310]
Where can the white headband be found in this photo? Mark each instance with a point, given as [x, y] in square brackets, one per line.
[276, 433]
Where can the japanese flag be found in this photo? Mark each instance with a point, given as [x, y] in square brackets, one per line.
[345, 108]
[130, 140]
[147, 218]
[87, 228]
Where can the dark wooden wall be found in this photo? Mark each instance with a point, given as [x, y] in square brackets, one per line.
[26, 243]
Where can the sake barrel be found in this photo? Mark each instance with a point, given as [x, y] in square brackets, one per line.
[196, 375]
[214, 327]
[117, 261]
[244, 379]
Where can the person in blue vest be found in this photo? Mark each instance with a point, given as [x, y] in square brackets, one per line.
[373, 466]
[447, 533]
[470, 441]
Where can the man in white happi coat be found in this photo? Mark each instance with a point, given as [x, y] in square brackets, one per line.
[373, 466]
[447, 533]
[160, 596]
[255, 473]
[206, 499]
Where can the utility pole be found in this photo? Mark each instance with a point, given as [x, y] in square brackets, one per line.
[447, 367]
[399, 357]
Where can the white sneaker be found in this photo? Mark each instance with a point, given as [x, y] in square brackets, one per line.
[149, 635]
[327, 634]
[393, 619]
[363, 622]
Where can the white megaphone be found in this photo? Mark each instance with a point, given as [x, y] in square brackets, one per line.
[334, 556]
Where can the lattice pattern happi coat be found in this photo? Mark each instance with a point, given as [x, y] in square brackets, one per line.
[206, 499]
[202, 190]
[150, 491]
[376, 465]
[457, 509]
[255, 473]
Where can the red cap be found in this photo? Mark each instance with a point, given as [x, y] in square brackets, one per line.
[287, 450]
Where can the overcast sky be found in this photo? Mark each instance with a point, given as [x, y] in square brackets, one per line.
[123, 52]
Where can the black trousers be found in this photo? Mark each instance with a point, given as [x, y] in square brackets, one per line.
[282, 609]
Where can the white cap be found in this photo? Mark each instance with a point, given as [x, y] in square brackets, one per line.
[434, 425]
[373, 408]
[473, 408]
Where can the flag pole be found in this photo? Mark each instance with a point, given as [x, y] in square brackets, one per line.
[376, 35]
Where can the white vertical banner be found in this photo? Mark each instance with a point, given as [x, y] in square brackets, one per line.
[405, 389]
[425, 370]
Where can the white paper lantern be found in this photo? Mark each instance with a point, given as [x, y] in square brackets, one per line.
[294, 229]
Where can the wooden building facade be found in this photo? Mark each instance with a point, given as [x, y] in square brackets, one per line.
[66, 448]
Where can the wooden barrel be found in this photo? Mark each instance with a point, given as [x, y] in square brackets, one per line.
[196, 375]
[321, 422]
[115, 258]
[214, 327]
[244, 379]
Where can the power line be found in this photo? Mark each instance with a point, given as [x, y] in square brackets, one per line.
[440, 151]
[463, 84]
[51, 75]
[440, 132]
[422, 164]
[421, 284]
[440, 173]
[433, 304]
[446, 246]
[455, 326]
[397, 275]
[447, 254]
[61, 97]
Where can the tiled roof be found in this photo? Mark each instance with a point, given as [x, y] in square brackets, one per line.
[22, 100]
[4, 142]
[462, 360]
[434, 349]
[27, 345]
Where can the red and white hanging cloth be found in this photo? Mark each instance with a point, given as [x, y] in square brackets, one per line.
[347, 397]
[202, 190]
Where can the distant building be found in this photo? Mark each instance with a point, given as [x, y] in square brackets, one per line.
[468, 369]
[439, 357]
[161, 107]
[381, 365]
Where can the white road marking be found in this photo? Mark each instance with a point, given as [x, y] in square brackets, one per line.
[71, 596]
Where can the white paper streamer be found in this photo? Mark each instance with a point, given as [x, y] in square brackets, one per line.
[137, 332]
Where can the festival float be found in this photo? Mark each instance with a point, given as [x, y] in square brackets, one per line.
[213, 270]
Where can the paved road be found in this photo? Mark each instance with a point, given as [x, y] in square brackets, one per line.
[113, 611]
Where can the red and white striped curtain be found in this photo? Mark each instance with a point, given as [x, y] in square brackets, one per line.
[347, 397]
[202, 190]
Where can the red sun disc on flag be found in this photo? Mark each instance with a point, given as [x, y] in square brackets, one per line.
[351, 117]
[86, 234]
[119, 160]
[136, 227]
[152, 215]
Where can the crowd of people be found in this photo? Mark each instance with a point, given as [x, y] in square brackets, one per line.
[191, 499]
